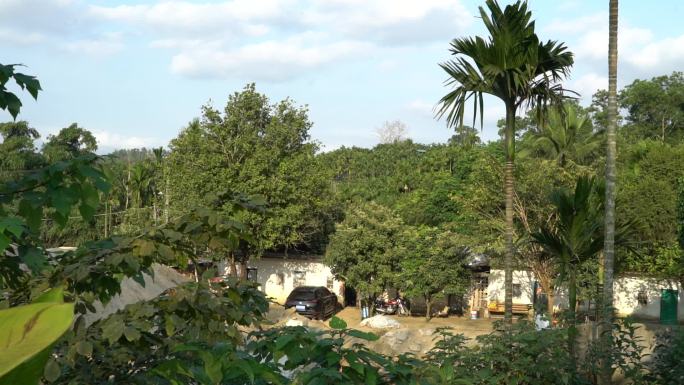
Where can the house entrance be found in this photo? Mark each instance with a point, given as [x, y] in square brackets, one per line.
[349, 296]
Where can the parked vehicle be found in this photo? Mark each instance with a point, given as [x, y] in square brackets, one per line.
[393, 306]
[403, 307]
[316, 302]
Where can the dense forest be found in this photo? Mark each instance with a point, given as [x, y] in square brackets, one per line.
[453, 186]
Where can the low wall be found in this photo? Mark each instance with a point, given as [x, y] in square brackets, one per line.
[633, 296]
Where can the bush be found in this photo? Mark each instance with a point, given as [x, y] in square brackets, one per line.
[626, 354]
[516, 354]
[666, 363]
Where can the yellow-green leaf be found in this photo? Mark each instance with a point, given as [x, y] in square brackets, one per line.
[27, 335]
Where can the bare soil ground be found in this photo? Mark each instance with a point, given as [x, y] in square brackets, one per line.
[415, 335]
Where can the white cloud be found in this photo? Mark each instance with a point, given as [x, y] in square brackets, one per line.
[41, 16]
[235, 18]
[641, 53]
[660, 56]
[263, 40]
[105, 45]
[587, 84]
[109, 140]
[269, 60]
[577, 26]
[9, 36]
[392, 21]
[421, 107]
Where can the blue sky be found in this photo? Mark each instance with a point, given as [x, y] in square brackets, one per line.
[135, 72]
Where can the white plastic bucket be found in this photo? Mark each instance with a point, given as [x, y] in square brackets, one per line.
[473, 314]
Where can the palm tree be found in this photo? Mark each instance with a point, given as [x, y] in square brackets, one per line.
[611, 150]
[513, 65]
[576, 237]
[564, 135]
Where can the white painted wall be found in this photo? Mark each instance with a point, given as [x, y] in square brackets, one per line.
[495, 288]
[270, 270]
[627, 291]
[625, 299]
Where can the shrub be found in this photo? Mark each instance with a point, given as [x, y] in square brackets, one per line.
[666, 363]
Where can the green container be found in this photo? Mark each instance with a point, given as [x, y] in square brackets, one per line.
[668, 306]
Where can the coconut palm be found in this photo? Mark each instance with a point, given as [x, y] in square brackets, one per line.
[513, 65]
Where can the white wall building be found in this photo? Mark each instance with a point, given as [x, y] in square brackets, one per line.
[277, 276]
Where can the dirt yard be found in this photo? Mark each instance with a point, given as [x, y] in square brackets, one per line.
[414, 335]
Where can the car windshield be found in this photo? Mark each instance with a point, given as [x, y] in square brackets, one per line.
[302, 294]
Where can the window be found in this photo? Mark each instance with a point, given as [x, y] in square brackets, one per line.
[517, 290]
[252, 274]
[330, 283]
[642, 298]
[299, 278]
[280, 279]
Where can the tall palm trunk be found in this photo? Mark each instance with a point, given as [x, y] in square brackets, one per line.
[609, 245]
[572, 311]
[508, 189]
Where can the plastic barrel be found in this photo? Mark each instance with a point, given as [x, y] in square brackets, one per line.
[668, 307]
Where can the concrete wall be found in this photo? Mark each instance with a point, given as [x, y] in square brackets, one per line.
[627, 292]
[276, 276]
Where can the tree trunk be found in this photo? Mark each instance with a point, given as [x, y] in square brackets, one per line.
[233, 266]
[572, 329]
[128, 182]
[508, 188]
[428, 308]
[611, 153]
[166, 202]
[549, 306]
[106, 234]
[243, 269]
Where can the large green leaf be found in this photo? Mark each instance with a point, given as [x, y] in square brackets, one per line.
[27, 335]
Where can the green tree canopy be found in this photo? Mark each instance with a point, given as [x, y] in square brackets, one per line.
[432, 264]
[18, 150]
[69, 143]
[256, 148]
[363, 249]
[655, 108]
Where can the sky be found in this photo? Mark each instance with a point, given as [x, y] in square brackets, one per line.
[136, 72]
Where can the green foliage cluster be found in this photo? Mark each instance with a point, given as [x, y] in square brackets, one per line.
[363, 249]
[665, 364]
[255, 147]
[433, 264]
[8, 100]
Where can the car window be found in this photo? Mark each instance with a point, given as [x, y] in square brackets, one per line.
[302, 294]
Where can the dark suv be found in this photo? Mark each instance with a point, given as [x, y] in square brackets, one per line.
[315, 302]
